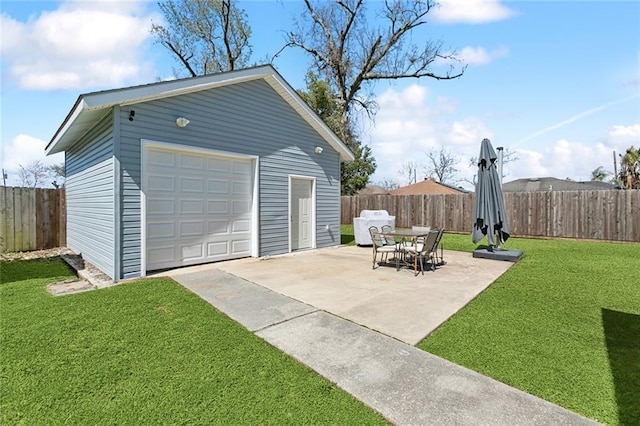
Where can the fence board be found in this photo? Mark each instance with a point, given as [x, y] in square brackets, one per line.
[602, 215]
[62, 222]
[19, 228]
[32, 219]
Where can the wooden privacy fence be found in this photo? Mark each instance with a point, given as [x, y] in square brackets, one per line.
[600, 215]
[32, 219]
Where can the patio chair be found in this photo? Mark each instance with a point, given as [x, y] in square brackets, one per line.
[425, 252]
[439, 259]
[423, 228]
[388, 240]
[381, 246]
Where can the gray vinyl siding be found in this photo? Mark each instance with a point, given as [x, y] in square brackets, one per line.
[246, 118]
[90, 197]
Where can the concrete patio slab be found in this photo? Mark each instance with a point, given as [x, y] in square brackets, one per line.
[253, 306]
[404, 384]
[396, 303]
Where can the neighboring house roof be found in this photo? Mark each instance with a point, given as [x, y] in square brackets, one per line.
[373, 189]
[427, 187]
[91, 107]
[553, 184]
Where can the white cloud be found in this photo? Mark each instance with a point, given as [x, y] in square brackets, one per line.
[468, 131]
[24, 150]
[575, 160]
[624, 136]
[564, 159]
[81, 44]
[480, 56]
[472, 11]
[411, 123]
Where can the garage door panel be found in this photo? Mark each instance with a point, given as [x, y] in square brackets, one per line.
[191, 161]
[218, 207]
[240, 207]
[162, 229]
[161, 183]
[159, 255]
[241, 226]
[218, 249]
[162, 158]
[191, 228]
[218, 165]
[220, 187]
[191, 206]
[160, 207]
[240, 246]
[241, 188]
[192, 184]
[241, 168]
[197, 211]
[192, 252]
[218, 227]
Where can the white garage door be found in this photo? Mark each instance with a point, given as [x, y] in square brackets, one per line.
[198, 207]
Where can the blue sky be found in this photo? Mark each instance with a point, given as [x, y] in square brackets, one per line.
[557, 83]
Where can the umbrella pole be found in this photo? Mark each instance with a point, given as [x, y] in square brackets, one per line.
[500, 164]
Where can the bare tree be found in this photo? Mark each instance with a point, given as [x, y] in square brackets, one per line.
[409, 171]
[388, 184]
[205, 36]
[58, 173]
[33, 174]
[508, 156]
[442, 165]
[351, 52]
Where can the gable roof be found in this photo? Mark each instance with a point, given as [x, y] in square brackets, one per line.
[427, 187]
[91, 107]
[372, 190]
[553, 184]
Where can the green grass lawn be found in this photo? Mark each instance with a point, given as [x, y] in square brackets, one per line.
[563, 324]
[146, 352]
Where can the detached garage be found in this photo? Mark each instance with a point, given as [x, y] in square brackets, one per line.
[198, 170]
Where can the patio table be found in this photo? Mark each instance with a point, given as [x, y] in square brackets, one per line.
[412, 234]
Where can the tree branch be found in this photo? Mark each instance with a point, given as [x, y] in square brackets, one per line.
[184, 60]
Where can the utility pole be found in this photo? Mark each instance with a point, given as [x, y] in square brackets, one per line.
[615, 166]
[4, 177]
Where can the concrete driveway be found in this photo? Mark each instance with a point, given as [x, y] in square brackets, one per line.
[340, 281]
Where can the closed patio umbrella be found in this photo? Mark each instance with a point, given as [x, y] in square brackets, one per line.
[489, 214]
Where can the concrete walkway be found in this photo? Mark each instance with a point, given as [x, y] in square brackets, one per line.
[406, 385]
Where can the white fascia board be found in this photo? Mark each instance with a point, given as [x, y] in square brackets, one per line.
[68, 122]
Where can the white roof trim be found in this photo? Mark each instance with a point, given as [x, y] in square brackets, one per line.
[71, 127]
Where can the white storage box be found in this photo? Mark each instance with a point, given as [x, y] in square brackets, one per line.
[368, 218]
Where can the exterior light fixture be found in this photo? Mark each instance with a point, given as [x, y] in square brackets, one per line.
[318, 150]
[182, 122]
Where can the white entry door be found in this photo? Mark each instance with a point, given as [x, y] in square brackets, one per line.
[198, 207]
[302, 215]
